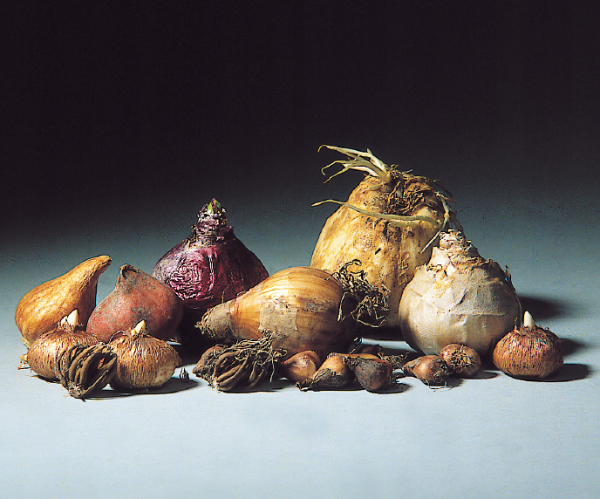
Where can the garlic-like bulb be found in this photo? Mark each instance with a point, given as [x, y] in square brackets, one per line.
[458, 297]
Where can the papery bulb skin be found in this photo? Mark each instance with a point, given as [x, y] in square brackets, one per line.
[389, 249]
[137, 297]
[301, 304]
[210, 266]
[458, 297]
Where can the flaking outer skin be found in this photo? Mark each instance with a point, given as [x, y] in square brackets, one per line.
[388, 254]
[458, 298]
[301, 304]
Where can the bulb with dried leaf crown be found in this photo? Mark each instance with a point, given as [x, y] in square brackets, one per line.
[388, 224]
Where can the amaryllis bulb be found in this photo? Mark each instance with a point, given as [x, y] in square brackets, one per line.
[458, 297]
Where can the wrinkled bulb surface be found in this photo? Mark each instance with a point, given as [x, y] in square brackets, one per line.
[458, 297]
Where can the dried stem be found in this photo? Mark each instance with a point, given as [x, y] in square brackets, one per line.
[400, 202]
[362, 161]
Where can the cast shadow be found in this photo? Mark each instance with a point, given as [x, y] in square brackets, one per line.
[570, 372]
[569, 346]
[543, 309]
[174, 385]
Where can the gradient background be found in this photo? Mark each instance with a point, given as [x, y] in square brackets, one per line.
[122, 119]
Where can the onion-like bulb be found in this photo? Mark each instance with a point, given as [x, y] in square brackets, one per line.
[306, 308]
[458, 297]
[45, 350]
[143, 361]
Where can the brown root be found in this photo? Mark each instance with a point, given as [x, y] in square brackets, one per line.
[242, 365]
[368, 305]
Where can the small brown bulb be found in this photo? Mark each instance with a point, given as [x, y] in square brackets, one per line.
[430, 369]
[45, 350]
[462, 360]
[333, 374]
[300, 366]
[372, 374]
[528, 352]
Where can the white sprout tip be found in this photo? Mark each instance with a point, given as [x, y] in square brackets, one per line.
[140, 327]
[73, 318]
[528, 320]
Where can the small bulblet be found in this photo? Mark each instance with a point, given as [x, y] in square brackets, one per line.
[300, 366]
[430, 369]
[333, 374]
[373, 374]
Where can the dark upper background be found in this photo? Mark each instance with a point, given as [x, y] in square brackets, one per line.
[139, 112]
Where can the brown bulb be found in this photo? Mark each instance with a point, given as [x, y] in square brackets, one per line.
[333, 374]
[528, 352]
[300, 366]
[373, 374]
[462, 360]
[44, 351]
[137, 296]
[430, 369]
